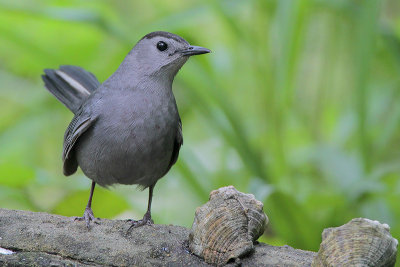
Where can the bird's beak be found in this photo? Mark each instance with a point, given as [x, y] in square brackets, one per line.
[195, 50]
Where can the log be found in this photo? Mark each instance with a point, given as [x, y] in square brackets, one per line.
[42, 239]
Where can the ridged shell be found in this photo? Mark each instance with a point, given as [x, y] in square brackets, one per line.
[226, 226]
[361, 242]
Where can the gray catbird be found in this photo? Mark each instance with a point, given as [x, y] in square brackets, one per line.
[126, 130]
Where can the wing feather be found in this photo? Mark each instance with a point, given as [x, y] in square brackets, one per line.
[76, 128]
[177, 144]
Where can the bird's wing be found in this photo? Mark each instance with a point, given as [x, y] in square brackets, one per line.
[177, 144]
[79, 124]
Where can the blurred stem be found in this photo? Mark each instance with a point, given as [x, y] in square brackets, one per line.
[80, 15]
[236, 136]
[191, 178]
[290, 19]
[24, 43]
[366, 30]
[223, 15]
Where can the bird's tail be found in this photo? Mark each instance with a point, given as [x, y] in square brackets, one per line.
[70, 84]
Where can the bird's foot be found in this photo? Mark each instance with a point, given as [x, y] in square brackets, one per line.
[88, 217]
[145, 221]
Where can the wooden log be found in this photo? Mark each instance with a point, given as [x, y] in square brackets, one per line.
[41, 239]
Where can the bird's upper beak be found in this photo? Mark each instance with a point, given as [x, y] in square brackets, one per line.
[195, 50]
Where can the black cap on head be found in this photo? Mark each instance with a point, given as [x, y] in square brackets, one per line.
[165, 35]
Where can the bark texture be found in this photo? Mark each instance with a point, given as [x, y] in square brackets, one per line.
[41, 239]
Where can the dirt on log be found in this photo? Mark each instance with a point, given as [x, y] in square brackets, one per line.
[41, 239]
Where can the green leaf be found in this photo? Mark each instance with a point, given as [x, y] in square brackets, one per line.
[15, 175]
[15, 198]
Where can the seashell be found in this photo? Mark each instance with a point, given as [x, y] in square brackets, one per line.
[225, 228]
[360, 242]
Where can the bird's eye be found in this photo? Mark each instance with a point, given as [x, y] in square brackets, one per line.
[162, 46]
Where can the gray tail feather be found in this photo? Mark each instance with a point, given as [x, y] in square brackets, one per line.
[70, 84]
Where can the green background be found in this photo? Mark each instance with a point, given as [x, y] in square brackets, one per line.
[299, 104]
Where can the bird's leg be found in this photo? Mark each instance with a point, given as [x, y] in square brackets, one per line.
[88, 214]
[147, 216]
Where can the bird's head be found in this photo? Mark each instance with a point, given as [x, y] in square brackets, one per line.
[163, 53]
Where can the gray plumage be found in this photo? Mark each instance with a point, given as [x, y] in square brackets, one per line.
[71, 85]
[126, 130]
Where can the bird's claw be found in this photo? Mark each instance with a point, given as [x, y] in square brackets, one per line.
[145, 221]
[88, 217]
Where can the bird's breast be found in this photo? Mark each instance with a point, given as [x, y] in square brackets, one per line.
[132, 140]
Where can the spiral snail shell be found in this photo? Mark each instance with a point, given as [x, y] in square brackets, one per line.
[361, 242]
[226, 226]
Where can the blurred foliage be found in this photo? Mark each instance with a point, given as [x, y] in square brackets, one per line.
[298, 104]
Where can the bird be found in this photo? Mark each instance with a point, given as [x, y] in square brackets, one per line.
[126, 130]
